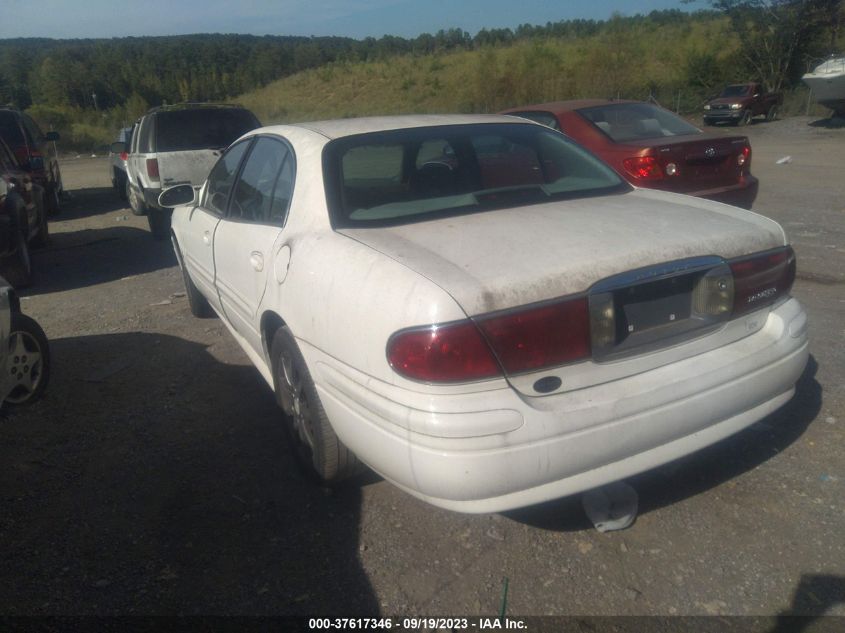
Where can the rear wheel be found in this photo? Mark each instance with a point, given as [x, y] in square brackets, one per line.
[53, 200]
[28, 361]
[120, 184]
[17, 267]
[316, 446]
[43, 238]
[135, 202]
[159, 221]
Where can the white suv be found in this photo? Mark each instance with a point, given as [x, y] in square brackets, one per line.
[175, 145]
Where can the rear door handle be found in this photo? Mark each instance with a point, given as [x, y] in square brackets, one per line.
[256, 260]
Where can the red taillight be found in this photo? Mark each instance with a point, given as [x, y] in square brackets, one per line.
[759, 280]
[744, 156]
[124, 156]
[541, 337]
[450, 353]
[645, 167]
[152, 168]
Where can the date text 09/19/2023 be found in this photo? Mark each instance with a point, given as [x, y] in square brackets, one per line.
[416, 624]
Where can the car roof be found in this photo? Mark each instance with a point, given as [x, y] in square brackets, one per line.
[339, 128]
[567, 106]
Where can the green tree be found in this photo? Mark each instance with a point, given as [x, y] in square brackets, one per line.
[778, 37]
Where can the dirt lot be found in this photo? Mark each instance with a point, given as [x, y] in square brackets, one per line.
[154, 478]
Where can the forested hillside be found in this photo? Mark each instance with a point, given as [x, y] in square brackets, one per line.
[87, 89]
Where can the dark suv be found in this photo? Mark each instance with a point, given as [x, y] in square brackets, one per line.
[36, 152]
[174, 145]
[23, 219]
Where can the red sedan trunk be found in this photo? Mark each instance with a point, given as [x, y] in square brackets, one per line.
[651, 147]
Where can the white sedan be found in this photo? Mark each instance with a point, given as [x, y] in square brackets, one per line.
[482, 311]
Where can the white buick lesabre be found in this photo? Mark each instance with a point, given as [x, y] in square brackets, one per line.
[482, 311]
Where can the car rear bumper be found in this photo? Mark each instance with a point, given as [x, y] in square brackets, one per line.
[496, 451]
[740, 195]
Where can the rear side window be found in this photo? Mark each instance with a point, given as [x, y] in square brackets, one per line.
[262, 195]
[144, 135]
[10, 130]
[182, 130]
[32, 129]
[7, 161]
[624, 122]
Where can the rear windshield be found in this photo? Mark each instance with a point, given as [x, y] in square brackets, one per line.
[10, 131]
[624, 122]
[735, 91]
[418, 174]
[180, 130]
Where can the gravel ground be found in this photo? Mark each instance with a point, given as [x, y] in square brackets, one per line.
[154, 477]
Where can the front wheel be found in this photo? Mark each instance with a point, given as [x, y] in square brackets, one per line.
[316, 446]
[28, 361]
[772, 113]
[745, 119]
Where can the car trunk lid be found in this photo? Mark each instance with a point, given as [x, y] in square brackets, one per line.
[700, 163]
[515, 259]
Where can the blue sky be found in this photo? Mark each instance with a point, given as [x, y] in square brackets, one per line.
[352, 18]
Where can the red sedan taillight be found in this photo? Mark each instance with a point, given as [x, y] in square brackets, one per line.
[645, 167]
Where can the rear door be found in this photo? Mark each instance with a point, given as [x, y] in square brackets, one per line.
[248, 239]
[197, 240]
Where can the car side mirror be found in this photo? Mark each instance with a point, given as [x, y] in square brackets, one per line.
[118, 147]
[36, 163]
[176, 196]
[52, 136]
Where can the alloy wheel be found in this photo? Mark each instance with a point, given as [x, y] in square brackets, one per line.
[24, 364]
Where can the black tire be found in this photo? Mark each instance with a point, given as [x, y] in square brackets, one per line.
[159, 221]
[17, 267]
[53, 199]
[745, 119]
[119, 183]
[28, 361]
[136, 203]
[772, 113]
[317, 449]
[198, 304]
[42, 239]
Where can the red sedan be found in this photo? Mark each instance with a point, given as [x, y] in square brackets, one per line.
[652, 147]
